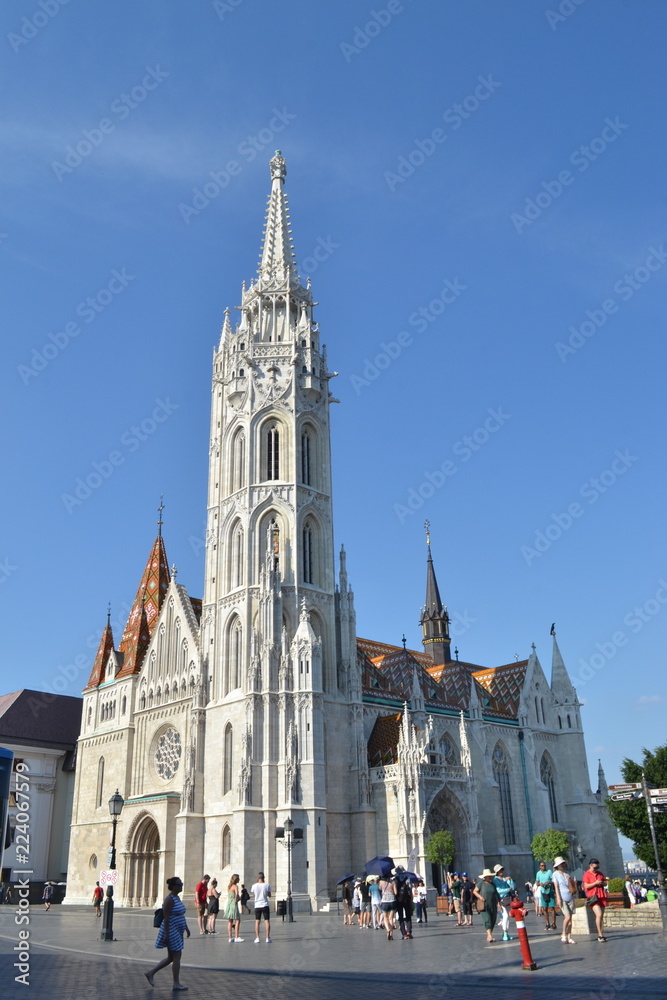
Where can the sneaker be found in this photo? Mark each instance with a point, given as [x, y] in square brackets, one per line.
[256, 941]
[231, 940]
[238, 940]
[564, 940]
[268, 940]
[506, 937]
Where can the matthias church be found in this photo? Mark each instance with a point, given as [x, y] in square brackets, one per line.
[218, 717]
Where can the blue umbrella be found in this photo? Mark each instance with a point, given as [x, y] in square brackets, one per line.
[379, 866]
[346, 878]
[413, 878]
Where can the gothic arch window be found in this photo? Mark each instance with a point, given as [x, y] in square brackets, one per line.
[306, 456]
[90, 714]
[236, 651]
[542, 707]
[537, 710]
[238, 461]
[123, 705]
[158, 695]
[448, 750]
[237, 554]
[547, 778]
[501, 773]
[226, 856]
[100, 781]
[142, 703]
[569, 722]
[272, 452]
[307, 552]
[150, 698]
[560, 722]
[228, 760]
[184, 657]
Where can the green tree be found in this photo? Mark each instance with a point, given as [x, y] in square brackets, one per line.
[440, 848]
[631, 817]
[548, 845]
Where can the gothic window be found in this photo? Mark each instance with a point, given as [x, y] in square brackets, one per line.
[537, 710]
[90, 715]
[307, 553]
[560, 722]
[542, 707]
[142, 703]
[237, 557]
[123, 705]
[226, 858]
[158, 695]
[547, 778]
[168, 753]
[184, 658]
[448, 750]
[228, 760]
[273, 544]
[305, 458]
[273, 453]
[569, 722]
[501, 773]
[238, 461]
[100, 781]
[236, 654]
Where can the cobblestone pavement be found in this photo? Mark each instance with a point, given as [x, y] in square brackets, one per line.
[316, 957]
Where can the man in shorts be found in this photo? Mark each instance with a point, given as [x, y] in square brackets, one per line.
[261, 890]
[201, 892]
[98, 893]
[565, 888]
[455, 886]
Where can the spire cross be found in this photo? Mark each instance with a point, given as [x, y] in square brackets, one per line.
[404, 641]
[427, 526]
[108, 614]
[159, 513]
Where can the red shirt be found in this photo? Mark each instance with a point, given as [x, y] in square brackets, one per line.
[591, 890]
[201, 892]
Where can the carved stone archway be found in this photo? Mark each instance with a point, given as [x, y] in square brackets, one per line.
[447, 813]
[142, 862]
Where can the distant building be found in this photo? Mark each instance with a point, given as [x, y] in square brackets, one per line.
[41, 730]
[218, 721]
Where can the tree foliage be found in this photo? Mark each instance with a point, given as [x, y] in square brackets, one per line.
[440, 848]
[548, 845]
[631, 817]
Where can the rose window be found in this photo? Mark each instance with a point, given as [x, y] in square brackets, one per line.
[168, 753]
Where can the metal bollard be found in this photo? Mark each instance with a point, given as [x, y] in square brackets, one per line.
[517, 911]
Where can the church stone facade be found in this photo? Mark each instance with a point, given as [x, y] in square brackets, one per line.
[216, 719]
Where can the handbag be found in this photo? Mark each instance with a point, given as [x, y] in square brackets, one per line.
[480, 904]
[158, 917]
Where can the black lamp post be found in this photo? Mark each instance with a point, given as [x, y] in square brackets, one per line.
[116, 803]
[289, 837]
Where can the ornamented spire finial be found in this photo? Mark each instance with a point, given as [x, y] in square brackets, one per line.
[159, 512]
[174, 572]
[108, 614]
[427, 526]
[278, 167]
[404, 641]
[456, 653]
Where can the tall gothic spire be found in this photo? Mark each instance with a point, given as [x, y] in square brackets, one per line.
[144, 613]
[278, 259]
[434, 620]
[561, 685]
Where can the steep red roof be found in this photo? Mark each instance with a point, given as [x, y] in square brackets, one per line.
[104, 651]
[145, 610]
[503, 685]
[383, 740]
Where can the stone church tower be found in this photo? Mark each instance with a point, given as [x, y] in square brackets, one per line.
[277, 663]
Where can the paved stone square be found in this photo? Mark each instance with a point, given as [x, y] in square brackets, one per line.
[317, 957]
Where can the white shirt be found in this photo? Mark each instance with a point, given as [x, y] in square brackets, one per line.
[261, 892]
[562, 880]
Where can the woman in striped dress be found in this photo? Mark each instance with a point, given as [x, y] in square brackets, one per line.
[170, 935]
[232, 911]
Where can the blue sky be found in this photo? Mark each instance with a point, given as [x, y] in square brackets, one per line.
[477, 193]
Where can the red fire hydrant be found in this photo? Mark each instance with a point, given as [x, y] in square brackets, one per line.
[517, 911]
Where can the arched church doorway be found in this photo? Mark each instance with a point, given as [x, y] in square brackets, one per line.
[142, 863]
[447, 813]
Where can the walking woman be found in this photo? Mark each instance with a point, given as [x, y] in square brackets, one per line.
[388, 905]
[170, 935]
[212, 906]
[232, 911]
[487, 894]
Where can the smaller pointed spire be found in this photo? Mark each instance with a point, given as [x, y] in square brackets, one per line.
[226, 332]
[561, 685]
[277, 258]
[603, 788]
[145, 610]
[104, 651]
[434, 620]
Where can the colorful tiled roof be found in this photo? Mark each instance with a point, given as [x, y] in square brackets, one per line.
[502, 686]
[104, 651]
[145, 610]
[383, 740]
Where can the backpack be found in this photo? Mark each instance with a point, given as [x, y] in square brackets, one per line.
[404, 892]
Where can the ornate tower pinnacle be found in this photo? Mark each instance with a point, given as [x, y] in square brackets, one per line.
[434, 620]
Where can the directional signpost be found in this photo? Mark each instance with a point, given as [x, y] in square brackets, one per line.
[633, 787]
[622, 796]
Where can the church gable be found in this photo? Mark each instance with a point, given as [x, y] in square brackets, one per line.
[170, 666]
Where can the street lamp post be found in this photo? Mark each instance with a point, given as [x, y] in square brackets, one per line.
[116, 803]
[289, 837]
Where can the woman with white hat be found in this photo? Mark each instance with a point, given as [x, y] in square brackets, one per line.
[566, 888]
[487, 894]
